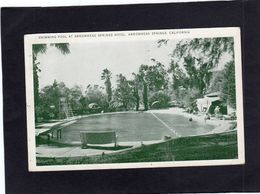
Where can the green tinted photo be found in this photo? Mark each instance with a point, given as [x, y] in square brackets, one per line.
[154, 98]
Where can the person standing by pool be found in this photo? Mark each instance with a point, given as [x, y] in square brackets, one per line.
[207, 117]
[216, 111]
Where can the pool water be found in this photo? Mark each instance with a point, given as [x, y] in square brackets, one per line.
[135, 126]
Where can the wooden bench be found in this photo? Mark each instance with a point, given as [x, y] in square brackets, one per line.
[97, 137]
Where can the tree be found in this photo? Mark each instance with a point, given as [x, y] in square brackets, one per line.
[193, 62]
[145, 95]
[75, 99]
[37, 49]
[106, 75]
[94, 94]
[157, 76]
[135, 85]
[196, 77]
[143, 70]
[178, 76]
[153, 78]
[50, 97]
[217, 81]
[159, 99]
[229, 84]
[123, 92]
[206, 50]
[83, 104]
[41, 49]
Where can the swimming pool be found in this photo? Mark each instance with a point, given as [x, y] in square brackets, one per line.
[135, 126]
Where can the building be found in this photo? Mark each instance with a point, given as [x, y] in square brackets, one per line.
[210, 101]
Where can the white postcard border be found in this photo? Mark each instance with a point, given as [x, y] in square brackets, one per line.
[140, 35]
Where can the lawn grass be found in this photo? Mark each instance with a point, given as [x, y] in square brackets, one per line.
[209, 147]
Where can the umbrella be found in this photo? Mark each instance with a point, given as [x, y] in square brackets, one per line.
[93, 105]
[154, 103]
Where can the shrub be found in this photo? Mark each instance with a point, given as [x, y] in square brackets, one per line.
[159, 99]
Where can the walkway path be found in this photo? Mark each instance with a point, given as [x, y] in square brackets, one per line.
[75, 151]
[42, 128]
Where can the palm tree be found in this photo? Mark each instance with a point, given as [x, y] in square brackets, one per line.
[37, 49]
[41, 49]
[106, 75]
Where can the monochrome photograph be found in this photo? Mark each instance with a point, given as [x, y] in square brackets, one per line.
[134, 99]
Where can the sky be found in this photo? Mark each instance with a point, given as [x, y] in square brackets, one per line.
[86, 61]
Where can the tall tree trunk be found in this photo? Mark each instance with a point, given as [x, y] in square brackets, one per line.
[36, 85]
[109, 90]
[137, 99]
[36, 88]
[137, 103]
[145, 95]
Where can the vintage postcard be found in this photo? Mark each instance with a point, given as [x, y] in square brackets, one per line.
[134, 99]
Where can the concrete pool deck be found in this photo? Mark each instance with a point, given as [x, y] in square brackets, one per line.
[75, 151]
[220, 126]
[44, 127]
